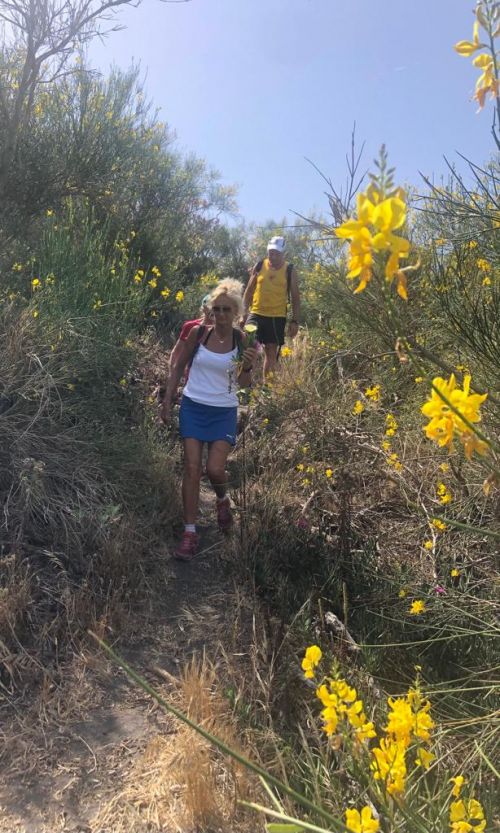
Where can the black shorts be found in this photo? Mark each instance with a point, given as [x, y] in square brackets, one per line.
[269, 330]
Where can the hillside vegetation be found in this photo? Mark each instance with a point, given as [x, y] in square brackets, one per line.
[366, 475]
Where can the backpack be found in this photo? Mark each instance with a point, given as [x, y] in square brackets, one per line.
[205, 331]
[258, 266]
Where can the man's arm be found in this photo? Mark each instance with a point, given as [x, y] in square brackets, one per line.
[293, 326]
[249, 293]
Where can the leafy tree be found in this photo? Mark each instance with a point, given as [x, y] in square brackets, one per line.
[41, 38]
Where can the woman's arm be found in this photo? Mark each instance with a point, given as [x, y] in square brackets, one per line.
[176, 369]
[183, 336]
[247, 362]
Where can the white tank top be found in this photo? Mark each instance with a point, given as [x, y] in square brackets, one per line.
[213, 378]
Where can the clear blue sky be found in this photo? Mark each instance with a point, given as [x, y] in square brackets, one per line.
[254, 86]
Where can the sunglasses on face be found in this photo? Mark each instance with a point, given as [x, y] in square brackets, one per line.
[221, 309]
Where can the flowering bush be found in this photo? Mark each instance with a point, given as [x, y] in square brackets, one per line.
[388, 767]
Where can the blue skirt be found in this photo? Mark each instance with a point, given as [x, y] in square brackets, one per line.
[207, 423]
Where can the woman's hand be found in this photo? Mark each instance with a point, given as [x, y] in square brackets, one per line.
[165, 411]
[248, 358]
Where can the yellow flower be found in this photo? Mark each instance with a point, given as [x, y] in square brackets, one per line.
[486, 83]
[123, 382]
[165, 293]
[251, 330]
[17, 267]
[340, 703]
[36, 283]
[265, 421]
[300, 466]
[286, 351]
[401, 720]
[444, 495]
[445, 423]
[458, 782]
[428, 545]
[462, 813]
[438, 524]
[417, 607]
[391, 425]
[138, 277]
[486, 281]
[156, 272]
[444, 467]
[311, 660]
[372, 232]
[49, 212]
[483, 265]
[179, 296]
[153, 283]
[306, 481]
[386, 445]
[390, 765]
[419, 379]
[97, 304]
[329, 473]
[454, 573]
[35, 313]
[472, 244]
[358, 407]
[373, 393]
[424, 758]
[467, 47]
[362, 822]
[402, 593]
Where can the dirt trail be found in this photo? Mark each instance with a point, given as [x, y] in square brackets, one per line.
[62, 772]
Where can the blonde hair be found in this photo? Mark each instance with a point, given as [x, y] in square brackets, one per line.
[234, 291]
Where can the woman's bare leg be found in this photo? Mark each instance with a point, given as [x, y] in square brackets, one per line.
[218, 453]
[191, 479]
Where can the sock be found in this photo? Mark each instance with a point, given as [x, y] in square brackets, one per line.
[189, 528]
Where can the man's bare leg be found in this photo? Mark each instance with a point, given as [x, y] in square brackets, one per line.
[270, 359]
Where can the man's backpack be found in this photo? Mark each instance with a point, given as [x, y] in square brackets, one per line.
[258, 266]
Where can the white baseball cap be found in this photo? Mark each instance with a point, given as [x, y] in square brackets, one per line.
[277, 244]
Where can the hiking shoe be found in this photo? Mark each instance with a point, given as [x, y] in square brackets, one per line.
[188, 546]
[224, 514]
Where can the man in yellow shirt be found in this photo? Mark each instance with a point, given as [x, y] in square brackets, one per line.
[272, 282]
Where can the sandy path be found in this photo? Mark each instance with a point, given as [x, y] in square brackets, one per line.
[63, 771]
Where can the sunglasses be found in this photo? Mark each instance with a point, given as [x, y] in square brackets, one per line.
[221, 309]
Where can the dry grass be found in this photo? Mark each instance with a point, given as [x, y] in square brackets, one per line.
[180, 783]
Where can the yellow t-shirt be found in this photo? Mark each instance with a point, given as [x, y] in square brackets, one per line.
[271, 291]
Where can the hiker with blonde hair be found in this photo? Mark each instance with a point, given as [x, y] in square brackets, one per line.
[204, 318]
[220, 360]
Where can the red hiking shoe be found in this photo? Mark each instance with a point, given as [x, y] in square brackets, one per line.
[188, 547]
[224, 514]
